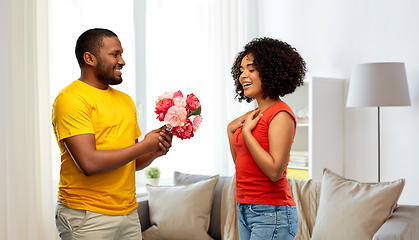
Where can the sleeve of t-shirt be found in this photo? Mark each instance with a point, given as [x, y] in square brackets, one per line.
[71, 116]
[137, 127]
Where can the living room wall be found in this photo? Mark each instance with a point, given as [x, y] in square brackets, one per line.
[333, 36]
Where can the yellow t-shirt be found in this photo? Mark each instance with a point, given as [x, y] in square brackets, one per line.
[111, 116]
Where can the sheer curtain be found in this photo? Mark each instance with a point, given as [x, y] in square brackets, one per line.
[191, 46]
[26, 196]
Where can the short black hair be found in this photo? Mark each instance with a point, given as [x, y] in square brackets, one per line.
[281, 68]
[91, 41]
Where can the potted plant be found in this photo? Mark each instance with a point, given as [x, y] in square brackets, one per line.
[152, 174]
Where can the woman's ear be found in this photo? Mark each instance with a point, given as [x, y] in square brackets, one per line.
[89, 59]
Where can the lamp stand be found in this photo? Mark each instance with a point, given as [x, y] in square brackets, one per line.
[378, 144]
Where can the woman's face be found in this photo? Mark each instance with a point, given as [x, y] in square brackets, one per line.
[249, 78]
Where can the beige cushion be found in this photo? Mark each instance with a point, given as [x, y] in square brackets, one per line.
[180, 212]
[352, 210]
[215, 225]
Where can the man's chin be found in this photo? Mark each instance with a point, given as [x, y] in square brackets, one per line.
[115, 81]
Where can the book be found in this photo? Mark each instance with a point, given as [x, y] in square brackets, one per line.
[299, 153]
[301, 158]
[298, 164]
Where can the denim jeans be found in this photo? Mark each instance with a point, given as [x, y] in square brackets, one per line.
[263, 222]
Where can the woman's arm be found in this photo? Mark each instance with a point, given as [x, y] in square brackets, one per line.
[280, 134]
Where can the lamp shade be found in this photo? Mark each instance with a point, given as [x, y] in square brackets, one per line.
[378, 85]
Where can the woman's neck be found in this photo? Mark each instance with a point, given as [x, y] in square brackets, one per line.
[264, 104]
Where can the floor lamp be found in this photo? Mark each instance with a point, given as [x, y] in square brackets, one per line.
[378, 85]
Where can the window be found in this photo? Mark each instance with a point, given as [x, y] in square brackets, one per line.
[189, 46]
[69, 19]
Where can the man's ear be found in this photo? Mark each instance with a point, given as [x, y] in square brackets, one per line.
[89, 59]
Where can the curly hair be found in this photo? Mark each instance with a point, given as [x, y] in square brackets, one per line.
[281, 69]
[91, 41]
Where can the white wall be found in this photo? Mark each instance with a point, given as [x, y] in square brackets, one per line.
[333, 36]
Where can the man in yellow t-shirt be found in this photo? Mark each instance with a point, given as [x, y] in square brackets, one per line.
[97, 132]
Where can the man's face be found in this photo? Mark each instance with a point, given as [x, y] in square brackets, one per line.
[110, 62]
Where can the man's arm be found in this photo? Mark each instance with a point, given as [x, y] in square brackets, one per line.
[90, 161]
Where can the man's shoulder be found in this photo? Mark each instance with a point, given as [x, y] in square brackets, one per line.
[71, 88]
[122, 95]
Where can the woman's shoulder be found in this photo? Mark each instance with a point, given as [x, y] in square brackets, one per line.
[278, 107]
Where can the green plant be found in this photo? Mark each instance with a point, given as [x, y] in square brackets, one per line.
[152, 172]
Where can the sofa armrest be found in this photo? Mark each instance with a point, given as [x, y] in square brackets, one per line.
[402, 225]
[143, 213]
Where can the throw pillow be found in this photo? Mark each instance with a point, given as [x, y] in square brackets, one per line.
[186, 179]
[353, 210]
[180, 212]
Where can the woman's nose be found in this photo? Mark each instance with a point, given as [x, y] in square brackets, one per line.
[244, 74]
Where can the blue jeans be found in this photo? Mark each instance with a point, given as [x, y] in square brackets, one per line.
[263, 222]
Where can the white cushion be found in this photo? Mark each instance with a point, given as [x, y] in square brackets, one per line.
[352, 210]
[180, 212]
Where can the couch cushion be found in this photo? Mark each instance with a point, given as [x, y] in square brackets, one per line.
[180, 212]
[352, 210]
[215, 222]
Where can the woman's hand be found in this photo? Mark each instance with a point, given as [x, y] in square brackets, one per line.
[236, 123]
[252, 118]
[231, 128]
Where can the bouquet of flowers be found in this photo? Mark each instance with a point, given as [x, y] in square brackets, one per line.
[182, 116]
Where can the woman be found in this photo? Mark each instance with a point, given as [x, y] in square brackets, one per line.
[261, 140]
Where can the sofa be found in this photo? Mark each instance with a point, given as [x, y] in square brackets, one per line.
[402, 222]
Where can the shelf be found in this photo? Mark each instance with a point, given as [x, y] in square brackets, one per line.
[297, 167]
[322, 136]
[297, 173]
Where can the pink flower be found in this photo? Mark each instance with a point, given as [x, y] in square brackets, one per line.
[166, 95]
[175, 111]
[196, 120]
[179, 101]
[185, 131]
[160, 117]
[162, 106]
[175, 116]
[178, 94]
[193, 102]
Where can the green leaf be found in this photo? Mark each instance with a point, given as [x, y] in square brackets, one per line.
[152, 172]
[196, 111]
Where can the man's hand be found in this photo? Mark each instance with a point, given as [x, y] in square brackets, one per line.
[165, 142]
[153, 140]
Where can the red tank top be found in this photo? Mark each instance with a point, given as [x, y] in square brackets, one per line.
[252, 185]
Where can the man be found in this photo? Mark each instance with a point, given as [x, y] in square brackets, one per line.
[97, 132]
